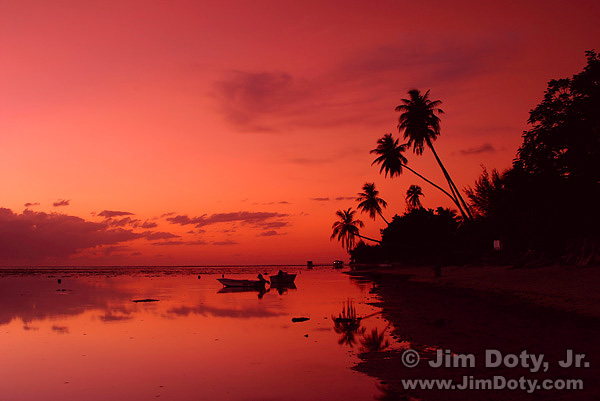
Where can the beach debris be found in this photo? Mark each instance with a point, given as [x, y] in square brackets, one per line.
[300, 319]
[198, 277]
[306, 335]
[145, 300]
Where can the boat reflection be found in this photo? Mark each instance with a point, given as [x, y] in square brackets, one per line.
[261, 291]
[282, 288]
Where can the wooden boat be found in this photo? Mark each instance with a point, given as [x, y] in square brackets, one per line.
[230, 282]
[338, 264]
[282, 278]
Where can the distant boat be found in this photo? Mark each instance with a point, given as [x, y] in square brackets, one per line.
[229, 282]
[282, 278]
[338, 264]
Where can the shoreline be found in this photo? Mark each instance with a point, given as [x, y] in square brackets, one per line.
[468, 313]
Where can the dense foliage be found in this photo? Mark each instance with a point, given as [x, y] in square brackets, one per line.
[544, 208]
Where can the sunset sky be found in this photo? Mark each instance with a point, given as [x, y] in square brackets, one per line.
[196, 132]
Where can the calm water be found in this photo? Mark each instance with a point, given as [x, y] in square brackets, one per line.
[85, 339]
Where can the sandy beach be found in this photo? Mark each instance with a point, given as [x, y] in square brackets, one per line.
[470, 310]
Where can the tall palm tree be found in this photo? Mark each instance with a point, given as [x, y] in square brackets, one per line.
[370, 202]
[393, 161]
[346, 229]
[413, 196]
[421, 125]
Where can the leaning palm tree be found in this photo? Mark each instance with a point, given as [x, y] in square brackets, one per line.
[421, 125]
[413, 195]
[370, 202]
[346, 229]
[393, 161]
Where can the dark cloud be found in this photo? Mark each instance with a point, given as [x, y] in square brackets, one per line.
[29, 204]
[113, 213]
[167, 214]
[283, 202]
[224, 243]
[60, 329]
[275, 224]
[485, 148]
[158, 235]
[61, 202]
[148, 224]
[269, 233]
[257, 219]
[180, 242]
[320, 199]
[125, 221]
[340, 198]
[38, 236]
[170, 243]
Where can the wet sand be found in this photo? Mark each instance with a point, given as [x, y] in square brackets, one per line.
[468, 311]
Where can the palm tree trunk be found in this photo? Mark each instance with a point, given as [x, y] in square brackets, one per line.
[432, 183]
[367, 238]
[381, 215]
[466, 212]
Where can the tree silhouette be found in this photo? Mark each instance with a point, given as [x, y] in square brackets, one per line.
[421, 125]
[413, 195]
[370, 202]
[347, 229]
[393, 161]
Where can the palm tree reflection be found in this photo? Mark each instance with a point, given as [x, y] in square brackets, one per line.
[375, 341]
[347, 324]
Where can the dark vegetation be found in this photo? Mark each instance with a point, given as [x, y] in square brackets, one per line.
[544, 209]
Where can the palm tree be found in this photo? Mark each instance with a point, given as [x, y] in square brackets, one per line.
[347, 229]
[393, 161]
[413, 197]
[370, 202]
[421, 126]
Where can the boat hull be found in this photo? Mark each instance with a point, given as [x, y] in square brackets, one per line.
[282, 279]
[228, 282]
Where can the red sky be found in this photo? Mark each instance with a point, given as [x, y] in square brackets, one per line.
[234, 117]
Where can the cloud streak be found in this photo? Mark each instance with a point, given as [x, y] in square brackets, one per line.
[485, 148]
[61, 202]
[113, 213]
[255, 219]
[270, 100]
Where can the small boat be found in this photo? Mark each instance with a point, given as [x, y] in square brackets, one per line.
[229, 282]
[282, 278]
[338, 264]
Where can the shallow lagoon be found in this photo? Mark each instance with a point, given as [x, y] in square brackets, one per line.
[85, 338]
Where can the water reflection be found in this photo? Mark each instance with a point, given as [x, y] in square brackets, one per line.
[196, 342]
[375, 341]
[347, 324]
